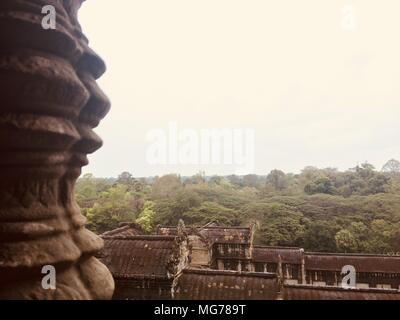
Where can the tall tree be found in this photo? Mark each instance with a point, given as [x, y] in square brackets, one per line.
[345, 241]
[166, 186]
[277, 179]
[392, 166]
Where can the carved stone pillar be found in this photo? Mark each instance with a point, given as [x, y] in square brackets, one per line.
[49, 103]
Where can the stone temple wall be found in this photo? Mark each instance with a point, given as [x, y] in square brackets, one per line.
[50, 103]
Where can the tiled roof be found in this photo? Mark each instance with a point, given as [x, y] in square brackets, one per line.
[201, 284]
[308, 292]
[131, 229]
[234, 235]
[212, 224]
[271, 254]
[167, 230]
[138, 256]
[214, 233]
[361, 262]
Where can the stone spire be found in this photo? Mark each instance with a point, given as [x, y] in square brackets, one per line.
[49, 104]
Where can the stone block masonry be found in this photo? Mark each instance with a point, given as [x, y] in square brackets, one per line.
[50, 103]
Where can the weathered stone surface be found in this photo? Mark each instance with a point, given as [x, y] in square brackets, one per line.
[50, 103]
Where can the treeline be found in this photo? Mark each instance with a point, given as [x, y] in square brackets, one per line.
[319, 209]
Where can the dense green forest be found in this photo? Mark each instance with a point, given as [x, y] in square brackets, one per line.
[318, 209]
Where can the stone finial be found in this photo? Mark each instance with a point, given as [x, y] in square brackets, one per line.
[49, 104]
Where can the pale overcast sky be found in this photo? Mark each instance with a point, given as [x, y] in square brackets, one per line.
[317, 86]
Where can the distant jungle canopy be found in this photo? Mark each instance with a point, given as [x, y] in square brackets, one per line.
[319, 209]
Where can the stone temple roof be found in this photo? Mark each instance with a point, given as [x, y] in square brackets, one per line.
[205, 284]
[215, 234]
[362, 262]
[233, 235]
[309, 292]
[271, 254]
[125, 230]
[138, 256]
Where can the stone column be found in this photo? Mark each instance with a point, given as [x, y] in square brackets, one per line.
[49, 104]
[303, 268]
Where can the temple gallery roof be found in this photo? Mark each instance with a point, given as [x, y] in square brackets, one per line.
[361, 262]
[125, 230]
[138, 256]
[271, 254]
[214, 233]
[233, 235]
[309, 292]
[167, 230]
[327, 261]
[205, 284]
